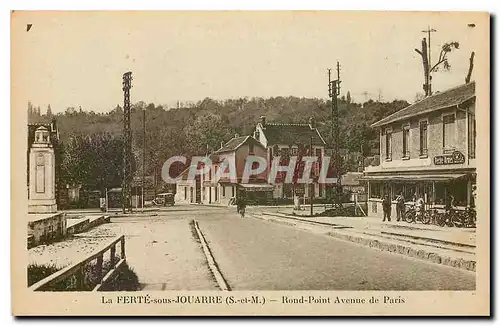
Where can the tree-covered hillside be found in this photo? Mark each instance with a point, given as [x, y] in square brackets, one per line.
[201, 127]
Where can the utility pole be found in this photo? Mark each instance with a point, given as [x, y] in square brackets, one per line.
[334, 92]
[127, 149]
[143, 155]
[311, 186]
[429, 30]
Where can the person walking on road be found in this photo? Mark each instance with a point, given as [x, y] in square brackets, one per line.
[241, 206]
[400, 207]
[386, 206]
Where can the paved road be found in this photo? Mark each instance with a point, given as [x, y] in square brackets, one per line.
[258, 255]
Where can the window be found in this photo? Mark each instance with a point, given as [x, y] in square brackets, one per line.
[257, 135]
[320, 190]
[232, 191]
[388, 144]
[471, 135]
[423, 138]
[185, 193]
[406, 141]
[223, 191]
[448, 133]
[251, 148]
[294, 151]
[375, 190]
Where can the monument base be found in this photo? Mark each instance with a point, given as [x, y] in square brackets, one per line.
[42, 206]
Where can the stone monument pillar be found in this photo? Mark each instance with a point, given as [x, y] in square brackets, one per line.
[42, 197]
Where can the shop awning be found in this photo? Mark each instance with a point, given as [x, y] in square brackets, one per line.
[256, 186]
[413, 177]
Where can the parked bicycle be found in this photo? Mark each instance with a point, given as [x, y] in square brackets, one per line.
[412, 216]
[464, 219]
[454, 218]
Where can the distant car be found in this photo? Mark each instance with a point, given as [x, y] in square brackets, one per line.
[164, 199]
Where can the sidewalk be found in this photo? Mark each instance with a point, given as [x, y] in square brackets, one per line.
[443, 245]
[458, 236]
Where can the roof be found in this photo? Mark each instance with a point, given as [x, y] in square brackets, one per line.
[413, 177]
[451, 97]
[235, 143]
[351, 178]
[291, 134]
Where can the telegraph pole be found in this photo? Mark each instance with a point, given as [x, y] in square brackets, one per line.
[429, 30]
[311, 186]
[334, 92]
[127, 149]
[143, 155]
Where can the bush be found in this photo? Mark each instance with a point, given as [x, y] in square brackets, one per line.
[125, 279]
[344, 211]
[39, 272]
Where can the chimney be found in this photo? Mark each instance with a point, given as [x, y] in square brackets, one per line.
[312, 123]
[263, 120]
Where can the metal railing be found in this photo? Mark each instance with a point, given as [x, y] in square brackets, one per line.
[78, 269]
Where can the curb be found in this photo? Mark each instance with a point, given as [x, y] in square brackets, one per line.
[336, 226]
[469, 265]
[212, 265]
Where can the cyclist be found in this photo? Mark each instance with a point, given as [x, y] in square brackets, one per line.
[241, 205]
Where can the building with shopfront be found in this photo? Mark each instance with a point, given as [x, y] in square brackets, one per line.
[427, 150]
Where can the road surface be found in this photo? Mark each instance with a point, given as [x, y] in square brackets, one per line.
[253, 254]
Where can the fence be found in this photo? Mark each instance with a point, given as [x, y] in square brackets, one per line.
[77, 270]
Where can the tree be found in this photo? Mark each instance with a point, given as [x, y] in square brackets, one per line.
[348, 97]
[93, 161]
[471, 66]
[49, 112]
[442, 60]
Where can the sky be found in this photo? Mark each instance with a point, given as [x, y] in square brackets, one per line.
[73, 59]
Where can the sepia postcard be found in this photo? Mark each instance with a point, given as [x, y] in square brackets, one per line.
[234, 163]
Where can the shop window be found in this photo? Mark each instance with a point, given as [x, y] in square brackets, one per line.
[423, 138]
[440, 193]
[397, 189]
[375, 190]
[459, 192]
[406, 141]
[448, 133]
[409, 191]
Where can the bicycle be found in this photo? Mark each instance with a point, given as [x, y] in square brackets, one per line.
[241, 211]
[411, 216]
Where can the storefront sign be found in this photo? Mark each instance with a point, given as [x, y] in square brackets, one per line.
[455, 158]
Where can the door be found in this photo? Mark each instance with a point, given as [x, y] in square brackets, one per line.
[191, 197]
